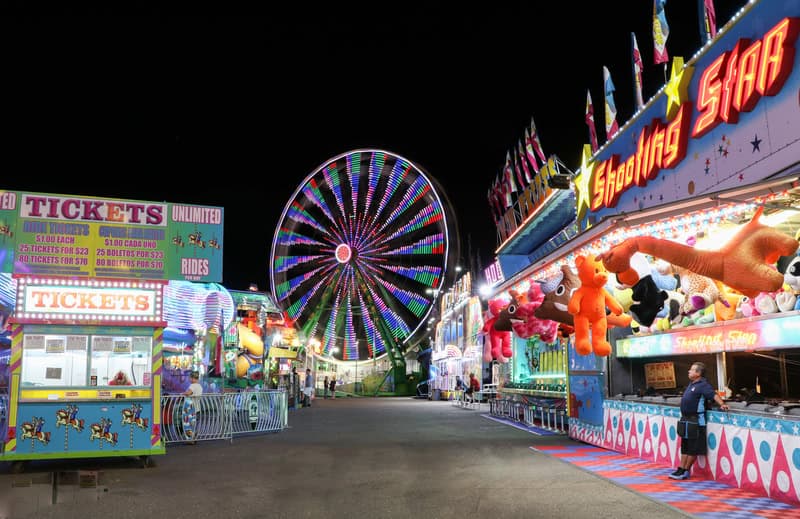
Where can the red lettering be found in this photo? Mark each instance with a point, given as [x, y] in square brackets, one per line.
[777, 56]
[746, 94]
[708, 97]
[35, 202]
[677, 137]
[70, 209]
[728, 110]
[154, 215]
[598, 185]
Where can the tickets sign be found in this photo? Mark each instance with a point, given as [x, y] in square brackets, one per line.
[94, 237]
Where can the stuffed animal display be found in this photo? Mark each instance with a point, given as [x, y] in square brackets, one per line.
[744, 263]
[588, 307]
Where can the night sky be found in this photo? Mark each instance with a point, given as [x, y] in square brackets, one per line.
[143, 107]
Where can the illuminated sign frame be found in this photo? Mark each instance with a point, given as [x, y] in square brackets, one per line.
[751, 334]
[50, 300]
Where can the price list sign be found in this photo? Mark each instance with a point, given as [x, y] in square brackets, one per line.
[109, 238]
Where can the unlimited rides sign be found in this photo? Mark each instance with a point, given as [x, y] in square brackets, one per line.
[109, 238]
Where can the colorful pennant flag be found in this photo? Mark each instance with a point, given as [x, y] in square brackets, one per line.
[508, 181]
[708, 20]
[611, 108]
[660, 32]
[530, 153]
[518, 170]
[637, 73]
[499, 196]
[590, 121]
[537, 146]
[524, 162]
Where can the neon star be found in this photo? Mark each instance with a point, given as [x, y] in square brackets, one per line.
[582, 181]
[677, 86]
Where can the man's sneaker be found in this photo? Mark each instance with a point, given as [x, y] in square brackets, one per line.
[677, 472]
[682, 475]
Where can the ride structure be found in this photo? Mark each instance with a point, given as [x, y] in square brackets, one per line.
[359, 256]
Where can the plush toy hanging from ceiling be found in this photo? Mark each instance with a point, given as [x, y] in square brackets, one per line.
[497, 343]
[558, 290]
[744, 263]
[588, 307]
[524, 321]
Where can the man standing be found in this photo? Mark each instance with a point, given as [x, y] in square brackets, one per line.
[308, 388]
[692, 424]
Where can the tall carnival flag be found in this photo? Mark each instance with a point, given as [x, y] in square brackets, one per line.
[520, 179]
[637, 73]
[499, 195]
[611, 109]
[508, 181]
[660, 32]
[524, 162]
[529, 151]
[537, 146]
[590, 121]
[708, 19]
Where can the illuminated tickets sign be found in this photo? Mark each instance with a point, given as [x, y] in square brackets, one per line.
[753, 334]
[48, 300]
[57, 235]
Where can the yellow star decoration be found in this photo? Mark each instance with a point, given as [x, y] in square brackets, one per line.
[582, 182]
[677, 86]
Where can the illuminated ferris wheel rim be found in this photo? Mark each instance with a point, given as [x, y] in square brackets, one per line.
[346, 250]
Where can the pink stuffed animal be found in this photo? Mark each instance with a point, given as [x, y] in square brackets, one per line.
[525, 323]
[497, 343]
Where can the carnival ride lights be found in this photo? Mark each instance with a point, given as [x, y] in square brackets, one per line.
[359, 244]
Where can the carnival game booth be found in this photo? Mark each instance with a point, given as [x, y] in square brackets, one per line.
[699, 189]
[531, 383]
[85, 369]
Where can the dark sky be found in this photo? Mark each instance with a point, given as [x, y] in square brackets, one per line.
[143, 107]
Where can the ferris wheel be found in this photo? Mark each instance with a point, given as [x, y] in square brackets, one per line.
[359, 253]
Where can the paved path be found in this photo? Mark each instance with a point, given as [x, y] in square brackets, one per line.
[344, 458]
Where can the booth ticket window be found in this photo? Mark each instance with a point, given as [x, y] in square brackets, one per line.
[54, 360]
[121, 360]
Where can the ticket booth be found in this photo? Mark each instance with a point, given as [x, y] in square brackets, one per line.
[85, 369]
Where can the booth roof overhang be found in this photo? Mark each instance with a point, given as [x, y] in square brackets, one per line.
[788, 179]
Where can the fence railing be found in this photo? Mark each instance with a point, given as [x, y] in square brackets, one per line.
[221, 416]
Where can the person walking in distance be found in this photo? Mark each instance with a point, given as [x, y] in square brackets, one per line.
[692, 424]
[333, 387]
[308, 388]
[325, 384]
[474, 386]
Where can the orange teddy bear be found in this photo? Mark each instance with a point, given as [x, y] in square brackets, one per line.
[588, 307]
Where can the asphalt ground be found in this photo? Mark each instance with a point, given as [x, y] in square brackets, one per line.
[342, 458]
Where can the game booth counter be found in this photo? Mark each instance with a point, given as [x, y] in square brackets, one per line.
[693, 210]
[81, 373]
